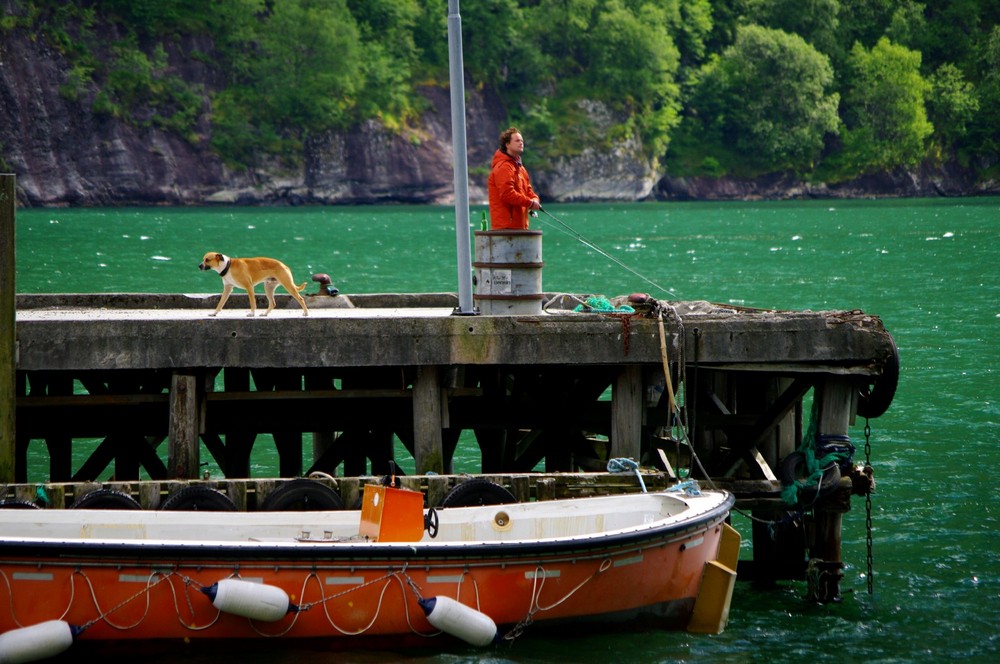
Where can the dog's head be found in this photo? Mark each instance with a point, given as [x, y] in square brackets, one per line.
[212, 261]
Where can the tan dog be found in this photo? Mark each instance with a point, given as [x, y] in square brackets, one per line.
[246, 273]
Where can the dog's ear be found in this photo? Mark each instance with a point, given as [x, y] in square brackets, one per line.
[218, 257]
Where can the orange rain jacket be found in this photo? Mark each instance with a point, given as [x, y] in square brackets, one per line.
[510, 193]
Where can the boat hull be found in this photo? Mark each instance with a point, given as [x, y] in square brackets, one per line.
[150, 589]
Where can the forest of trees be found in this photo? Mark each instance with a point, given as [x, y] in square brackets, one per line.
[825, 89]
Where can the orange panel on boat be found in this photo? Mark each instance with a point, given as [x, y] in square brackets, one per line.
[392, 515]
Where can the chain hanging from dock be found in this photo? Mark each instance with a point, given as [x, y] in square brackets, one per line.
[868, 504]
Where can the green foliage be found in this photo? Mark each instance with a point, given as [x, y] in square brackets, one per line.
[814, 20]
[135, 80]
[831, 88]
[769, 97]
[691, 26]
[908, 26]
[388, 50]
[156, 18]
[983, 137]
[620, 53]
[632, 56]
[430, 38]
[952, 103]
[302, 80]
[498, 50]
[884, 108]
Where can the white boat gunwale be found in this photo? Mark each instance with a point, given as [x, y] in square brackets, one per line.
[667, 529]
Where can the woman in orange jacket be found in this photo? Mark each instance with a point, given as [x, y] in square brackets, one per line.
[511, 195]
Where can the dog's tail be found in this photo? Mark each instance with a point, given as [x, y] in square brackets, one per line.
[301, 286]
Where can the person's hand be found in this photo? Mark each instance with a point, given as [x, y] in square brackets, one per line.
[536, 204]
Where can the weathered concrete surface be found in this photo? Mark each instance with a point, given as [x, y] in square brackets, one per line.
[175, 331]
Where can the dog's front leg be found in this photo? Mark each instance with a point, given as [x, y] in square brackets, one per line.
[226, 290]
[253, 302]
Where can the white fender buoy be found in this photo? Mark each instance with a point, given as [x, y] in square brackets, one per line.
[257, 601]
[461, 621]
[41, 641]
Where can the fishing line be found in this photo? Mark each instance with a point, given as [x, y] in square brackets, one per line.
[572, 232]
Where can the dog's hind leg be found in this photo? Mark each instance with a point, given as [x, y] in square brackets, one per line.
[269, 286]
[302, 303]
[293, 290]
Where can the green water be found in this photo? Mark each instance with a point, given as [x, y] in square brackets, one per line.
[928, 268]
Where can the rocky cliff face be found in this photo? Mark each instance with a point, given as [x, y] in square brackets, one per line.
[65, 154]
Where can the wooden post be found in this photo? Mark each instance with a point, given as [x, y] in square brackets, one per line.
[545, 489]
[626, 413]
[184, 419]
[8, 339]
[427, 441]
[322, 441]
[437, 489]
[836, 398]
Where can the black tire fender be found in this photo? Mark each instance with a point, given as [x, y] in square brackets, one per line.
[105, 499]
[301, 495]
[15, 504]
[198, 499]
[873, 403]
[477, 491]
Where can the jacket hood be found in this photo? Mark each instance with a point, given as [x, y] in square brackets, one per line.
[499, 156]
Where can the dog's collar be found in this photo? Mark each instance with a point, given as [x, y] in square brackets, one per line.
[229, 263]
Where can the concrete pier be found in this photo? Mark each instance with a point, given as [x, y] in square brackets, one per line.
[155, 376]
[147, 366]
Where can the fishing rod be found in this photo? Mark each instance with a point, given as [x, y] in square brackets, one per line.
[572, 232]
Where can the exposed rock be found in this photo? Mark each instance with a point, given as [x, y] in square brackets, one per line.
[65, 154]
[621, 173]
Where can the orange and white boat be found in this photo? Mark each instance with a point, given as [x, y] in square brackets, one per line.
[392, 570]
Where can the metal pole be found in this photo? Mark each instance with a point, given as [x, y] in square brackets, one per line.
[460, 160]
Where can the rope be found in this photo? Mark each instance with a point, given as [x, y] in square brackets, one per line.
[324, 600]
[188, 581]
[690, 487]
[572, 232]
[820, 452]
[536, 594]
[10, 599]
[103, 615]
[603, 305]
[626, 465]
[672, 403]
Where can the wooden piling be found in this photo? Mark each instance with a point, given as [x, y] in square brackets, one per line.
[626, 408]
[836, 400]
[8, 349]
[427, 423]
[184, 419]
